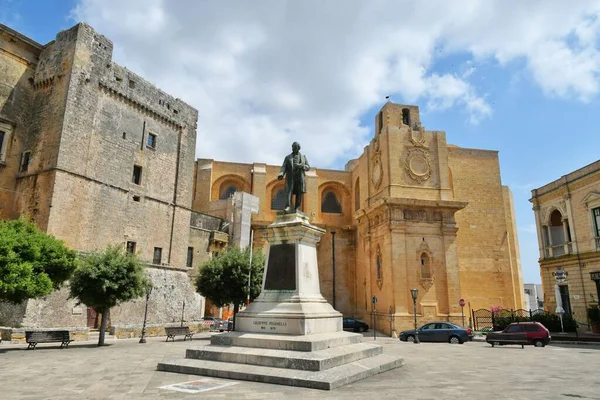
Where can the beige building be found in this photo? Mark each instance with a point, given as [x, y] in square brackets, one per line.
[96, 155]
[567, 217]
[411, 212]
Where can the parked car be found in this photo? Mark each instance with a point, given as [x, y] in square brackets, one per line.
[520, 333]
[439, 332]
[217, 323]
[355, 324]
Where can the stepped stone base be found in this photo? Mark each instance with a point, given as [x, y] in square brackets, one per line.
[320, 361]
[289, 335]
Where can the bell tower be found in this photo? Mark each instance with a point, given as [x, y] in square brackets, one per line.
[408, 228]
[407, 160]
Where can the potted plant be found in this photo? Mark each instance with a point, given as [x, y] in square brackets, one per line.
[593, 313]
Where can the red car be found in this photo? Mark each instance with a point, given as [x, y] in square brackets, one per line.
[520, 333]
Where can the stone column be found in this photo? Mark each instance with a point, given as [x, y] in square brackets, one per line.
[540, 231]
[452, 269]
[571, 226]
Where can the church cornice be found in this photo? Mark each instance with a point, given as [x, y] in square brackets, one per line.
[400, 202]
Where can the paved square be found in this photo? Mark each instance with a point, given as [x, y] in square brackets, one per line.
[127, 370]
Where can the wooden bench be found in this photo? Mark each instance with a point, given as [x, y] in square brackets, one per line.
[173, 331]
[35, 337]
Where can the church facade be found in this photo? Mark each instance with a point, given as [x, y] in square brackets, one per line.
[411, 212]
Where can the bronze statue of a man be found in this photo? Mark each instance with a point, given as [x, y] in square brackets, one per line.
[294, 169]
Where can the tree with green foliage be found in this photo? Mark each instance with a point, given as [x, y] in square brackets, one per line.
[107, 278]
[32, 263]
[224, 279]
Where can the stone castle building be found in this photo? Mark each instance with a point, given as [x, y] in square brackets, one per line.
[96, 155]
[567, 218]
[411, 212]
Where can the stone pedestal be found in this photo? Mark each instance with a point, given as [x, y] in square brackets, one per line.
[291, 300]
[289, 335]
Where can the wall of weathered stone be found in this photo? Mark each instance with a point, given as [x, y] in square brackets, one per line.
[170, 289]
[110, 112]
[23, 93]
[483, 236]
[345, 289]
[12, 314]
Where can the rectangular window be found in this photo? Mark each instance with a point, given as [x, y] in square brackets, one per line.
[25, 156]
[157, 259]
[531, 328]
[190, 257]
[5, 135]
[137, 175]
[151, 141]
[596, 214]
[2, 136]
[131, 247]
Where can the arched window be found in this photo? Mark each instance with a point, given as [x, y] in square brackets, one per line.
[357, 195]
[378, 273]
[331, 204]
[406, 116]
[558, 233]
[227, 190]
[425, 266]
[278, 200]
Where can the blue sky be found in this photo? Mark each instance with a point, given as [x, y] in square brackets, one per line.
[519, 78]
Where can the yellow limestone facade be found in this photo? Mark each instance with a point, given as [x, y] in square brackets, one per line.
[567, 216]
[410, 212]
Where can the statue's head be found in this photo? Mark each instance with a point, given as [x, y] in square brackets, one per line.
[295, 147]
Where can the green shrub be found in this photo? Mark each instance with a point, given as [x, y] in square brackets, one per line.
[593, 314]
[550, 321]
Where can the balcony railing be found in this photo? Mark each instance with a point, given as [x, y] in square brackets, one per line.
[558, 250]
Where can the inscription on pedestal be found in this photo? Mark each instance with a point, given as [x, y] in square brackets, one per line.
[270, 325]
[281, 268]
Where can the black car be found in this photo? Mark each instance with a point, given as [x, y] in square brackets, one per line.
[355, 325]
[439, 332]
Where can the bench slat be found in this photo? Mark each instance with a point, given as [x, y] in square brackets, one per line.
[173, 331]
[35, 337]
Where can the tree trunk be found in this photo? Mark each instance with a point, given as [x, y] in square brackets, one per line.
[236, 309]
[103, 327]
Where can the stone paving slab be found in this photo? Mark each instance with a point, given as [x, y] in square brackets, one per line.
[127, 370]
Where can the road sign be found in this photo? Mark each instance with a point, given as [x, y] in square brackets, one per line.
[461, 302]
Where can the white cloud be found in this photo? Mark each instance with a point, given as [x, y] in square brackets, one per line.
[531, 229]
[265, 73]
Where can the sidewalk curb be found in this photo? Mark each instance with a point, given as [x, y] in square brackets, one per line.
[574, 342]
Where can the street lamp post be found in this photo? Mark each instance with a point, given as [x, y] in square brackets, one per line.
[148, 291]
[414, 293]
[333, 263]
